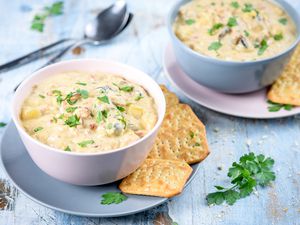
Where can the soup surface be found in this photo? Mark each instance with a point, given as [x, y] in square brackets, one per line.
[88, 112]
[240, 30]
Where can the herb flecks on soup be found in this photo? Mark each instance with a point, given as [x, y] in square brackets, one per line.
[88, 112]
[240, 30]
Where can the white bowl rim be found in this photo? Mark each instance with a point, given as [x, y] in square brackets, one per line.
[210, 59]
[60, 151]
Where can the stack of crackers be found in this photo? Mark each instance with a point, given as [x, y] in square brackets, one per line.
[181, 141]
[286, 89]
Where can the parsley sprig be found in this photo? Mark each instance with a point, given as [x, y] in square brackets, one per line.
[2, 124]
[251, 171]
[275, 107]
[113, 198]
[38, 22]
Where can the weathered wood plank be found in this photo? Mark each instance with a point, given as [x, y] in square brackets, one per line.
[142, 46]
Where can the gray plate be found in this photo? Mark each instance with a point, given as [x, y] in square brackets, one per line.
[72, 199]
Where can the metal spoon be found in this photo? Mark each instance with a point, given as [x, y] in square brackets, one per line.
[65, 50]
[107, 23]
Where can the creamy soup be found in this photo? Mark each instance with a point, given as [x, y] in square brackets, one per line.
[88, 112]
[240, 30]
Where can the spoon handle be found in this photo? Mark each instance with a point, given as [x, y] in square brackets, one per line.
[60, 54]
[30, 56]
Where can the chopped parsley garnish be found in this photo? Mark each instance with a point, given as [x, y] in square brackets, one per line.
[113, 198]
[275, 107]
[247, 34]
[197, 144]
[192, 135]
[83, 93]
[190, 21]
[214, 28]
[262, 47]
[120, 108]
[127, 88]
[235, 5]
[278, 37]
[83, 144]
[124, 88]
[80, 83]
[41, 96]
[215, 46]
[139, 97]
[38, 21]
[2, 124]
[283, 21]
[251, 170]
[73, 121]
[61, 116]
[105, 113]
[67, 149]
[213, 3]
[101, 115]
[58, 95]
[103, 99]
[232, 22]
[71, 109]
[248, 8]
[38, 129]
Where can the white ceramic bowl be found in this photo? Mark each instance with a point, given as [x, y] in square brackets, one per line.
[89, 168]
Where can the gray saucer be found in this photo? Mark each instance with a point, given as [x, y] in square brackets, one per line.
[49, 192]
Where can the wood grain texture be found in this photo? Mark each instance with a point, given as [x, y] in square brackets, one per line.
[142, 46]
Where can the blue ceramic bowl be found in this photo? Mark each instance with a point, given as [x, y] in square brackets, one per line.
[230, 76]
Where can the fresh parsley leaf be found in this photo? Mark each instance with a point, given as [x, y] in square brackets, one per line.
[101, 115]
[197, 144]
[71, 109]
[83, 93]
[278, 37]
[104, 99]
[215, 46]
[58, 95]
[55, 9]
[250, 171]
[214, 28]
[113, 198]
[38, 22]
[127, 88]
[38, 129]
[190, 21]
[120, 108]
[235, 5]
[70, 98]
[275, 107]
[80, 83]
[283, 21]
[67, 149]
[263, 47]
[73, 121]
[247, 34]
[139, 97]
[248, 8]
[56, 92]
[83, 144]
[232, 22]
[2, 124]
[42, 96]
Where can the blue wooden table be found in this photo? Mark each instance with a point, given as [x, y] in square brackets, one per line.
[142, 46]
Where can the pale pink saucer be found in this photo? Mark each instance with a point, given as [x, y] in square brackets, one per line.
[253, 105]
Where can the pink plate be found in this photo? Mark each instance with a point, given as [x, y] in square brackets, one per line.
[253, 105]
